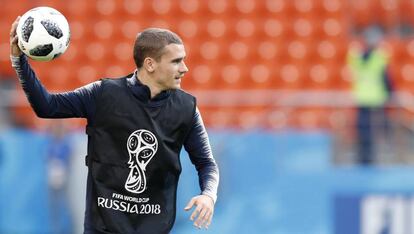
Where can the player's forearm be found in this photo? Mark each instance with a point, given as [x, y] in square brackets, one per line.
[206, 166]
[209, 180]
[38, 97]
[199, 149]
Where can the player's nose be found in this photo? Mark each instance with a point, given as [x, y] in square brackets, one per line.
[183, 68]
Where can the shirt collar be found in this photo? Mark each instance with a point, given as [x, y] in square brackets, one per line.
[143, 92]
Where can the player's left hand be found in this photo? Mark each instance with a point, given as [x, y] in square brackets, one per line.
[204, 209]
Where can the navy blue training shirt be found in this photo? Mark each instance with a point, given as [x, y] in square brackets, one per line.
[80, 103]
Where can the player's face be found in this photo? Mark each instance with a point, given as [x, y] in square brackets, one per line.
[171, 67]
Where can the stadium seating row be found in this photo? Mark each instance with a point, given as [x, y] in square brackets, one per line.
[236, 117]
[231, 44]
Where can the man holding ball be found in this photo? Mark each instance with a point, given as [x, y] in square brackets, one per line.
[136, 127]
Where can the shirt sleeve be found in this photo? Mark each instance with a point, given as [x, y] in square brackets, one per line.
[198, 147]
[79, 103]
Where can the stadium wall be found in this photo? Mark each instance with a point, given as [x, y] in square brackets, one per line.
[282, 182]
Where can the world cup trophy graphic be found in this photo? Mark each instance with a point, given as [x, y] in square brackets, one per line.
[142, 146]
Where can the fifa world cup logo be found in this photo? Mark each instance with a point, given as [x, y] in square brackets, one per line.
[142, 146]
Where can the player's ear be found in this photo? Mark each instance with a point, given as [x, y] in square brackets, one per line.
[149, 64]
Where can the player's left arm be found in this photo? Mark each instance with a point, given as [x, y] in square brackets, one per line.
[198, 147]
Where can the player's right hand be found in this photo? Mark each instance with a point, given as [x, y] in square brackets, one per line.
[14, 48]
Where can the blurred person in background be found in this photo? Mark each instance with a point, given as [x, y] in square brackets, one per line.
[371, 90]
[59, 152]
[136, 128]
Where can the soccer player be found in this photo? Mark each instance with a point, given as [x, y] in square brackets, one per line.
[136, 127]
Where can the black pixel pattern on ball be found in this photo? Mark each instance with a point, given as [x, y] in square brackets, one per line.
[56, 55]
[41, 50]
[54, 13]
[27, 28]
[52, 28]
[67, 41]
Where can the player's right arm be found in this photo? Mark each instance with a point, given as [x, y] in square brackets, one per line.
[77, 103]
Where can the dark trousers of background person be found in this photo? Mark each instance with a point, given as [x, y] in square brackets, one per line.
[371, 123]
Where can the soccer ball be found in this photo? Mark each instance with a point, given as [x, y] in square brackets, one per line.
[43, 33]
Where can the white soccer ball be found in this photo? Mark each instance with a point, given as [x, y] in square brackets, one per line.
[43, 33]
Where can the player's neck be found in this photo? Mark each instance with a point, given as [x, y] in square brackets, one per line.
[145, 79]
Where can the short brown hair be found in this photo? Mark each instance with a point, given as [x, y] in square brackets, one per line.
[151, 42]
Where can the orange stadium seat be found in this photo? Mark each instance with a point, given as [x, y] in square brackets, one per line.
[396, 48]
[165, 7]
[341, 118]
[5, 65]
[292, 76]
[134, 8]
[188, 30]
[120, 51]
[22, 114]
[203, 76]
[233, 76]
[240, 50]
[406, 9]
[319, 77]
[277, 118]
[388, 14]
[12, 9]
[328, 53]
[259, 28]
[249, 117]
[304, 27]
[300, 51]
[270, 50]
[189, 7]
[193, 52]
[252, 76]
[318, 8]
[210, 50]
[394, 69]
[111, 9]
[219, 116]
[245, 28]
[278, 28]
[246, 7]
[260, 9]
[279, 7]
[334, 29]
[316, 29]
[60, 78]
[130, 28]
[340, 77]
[344, 81]
[260, 76]
[275, 80]
[61, 6]
[361, 13]
[41, 69]
[334, 8]
[403, 77]
[82, 10]
[105, 29]
[304, 8]
[309, 118]
[408, 50]
[217, 28]
[221, 8]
